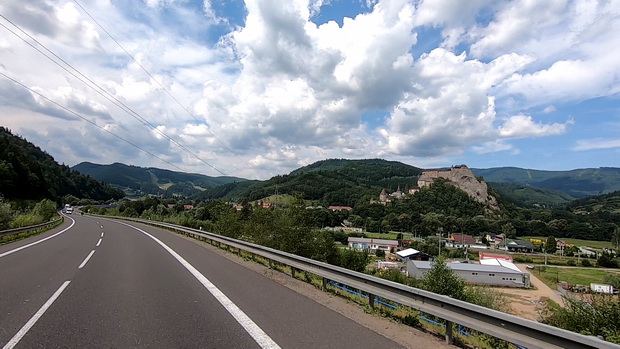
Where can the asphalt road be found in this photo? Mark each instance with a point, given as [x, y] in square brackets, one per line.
[108, 284]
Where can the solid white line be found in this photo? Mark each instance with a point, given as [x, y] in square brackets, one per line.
[99, 242]
[86, 259]
[22, 332]
[252, 328]
[40, 241]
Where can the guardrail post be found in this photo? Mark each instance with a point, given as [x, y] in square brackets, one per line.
[293, 272]
[449, 336]
[371, 300]
[270, 264]
[239, 252]
[324, 285]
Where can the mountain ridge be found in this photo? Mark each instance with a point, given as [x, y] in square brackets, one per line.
[152, 180]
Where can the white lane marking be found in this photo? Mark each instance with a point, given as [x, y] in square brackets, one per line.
[101, 234]
[99, 242]
[22, 332]
[86, 259]
[40, 241]
[102, 227]
[252, 328]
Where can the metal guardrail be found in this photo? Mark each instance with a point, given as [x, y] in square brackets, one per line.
[29, 228]
[516, 330]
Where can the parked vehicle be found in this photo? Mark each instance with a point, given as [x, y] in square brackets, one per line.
[601, 288]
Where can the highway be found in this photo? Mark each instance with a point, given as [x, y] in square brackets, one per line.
[100, 283]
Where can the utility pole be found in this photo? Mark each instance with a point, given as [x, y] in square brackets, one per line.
[440, 229]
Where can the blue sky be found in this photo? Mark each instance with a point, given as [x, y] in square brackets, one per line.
[259, 88]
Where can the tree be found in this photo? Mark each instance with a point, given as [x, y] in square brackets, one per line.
[509, 230]
[442, 279]
[354, 260]
[551, 245]
[45, 208]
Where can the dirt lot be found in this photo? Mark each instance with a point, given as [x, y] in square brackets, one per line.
[527, 303]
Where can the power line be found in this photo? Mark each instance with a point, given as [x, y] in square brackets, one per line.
[153, 78]
[89, 121]
[101, 91]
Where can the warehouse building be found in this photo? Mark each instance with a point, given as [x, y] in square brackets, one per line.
[481, 274]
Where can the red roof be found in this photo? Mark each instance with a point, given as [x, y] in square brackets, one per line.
[338, 208]
[465, 239]
[483, 255]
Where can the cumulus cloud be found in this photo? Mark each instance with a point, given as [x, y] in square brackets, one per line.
[519, 126]
[452, 107]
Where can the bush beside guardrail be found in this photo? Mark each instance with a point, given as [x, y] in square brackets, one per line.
[29, 228]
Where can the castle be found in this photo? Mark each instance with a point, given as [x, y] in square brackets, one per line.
[460, 176]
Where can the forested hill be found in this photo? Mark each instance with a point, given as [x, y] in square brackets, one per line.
[369, 170]
[153, 180]
[579, 183]
[28, 173]
[339, 182]
[608, 203]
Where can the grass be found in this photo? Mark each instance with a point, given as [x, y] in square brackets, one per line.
[576, 242]
[165, 186]
[387, 236]
[574, 276]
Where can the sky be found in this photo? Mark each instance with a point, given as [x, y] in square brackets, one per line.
[258, 88]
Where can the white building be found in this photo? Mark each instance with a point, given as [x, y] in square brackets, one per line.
[372, 244]
[496, 275]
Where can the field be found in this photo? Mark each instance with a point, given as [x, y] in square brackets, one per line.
[387, 236]
[574, 276]
[577, 242]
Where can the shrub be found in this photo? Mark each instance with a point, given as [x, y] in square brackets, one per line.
[26, 219]
[600, 316]
[487, 297]
[586, 263]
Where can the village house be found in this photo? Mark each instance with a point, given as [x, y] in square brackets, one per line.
[372, 245]
[461, 240]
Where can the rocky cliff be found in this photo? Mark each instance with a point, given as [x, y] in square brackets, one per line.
[463, 178]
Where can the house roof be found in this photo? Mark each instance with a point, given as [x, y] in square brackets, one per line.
[520, 243]
[465, 239]
[500, 262]
[468, 267]
[483, 255]
[408, 252]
